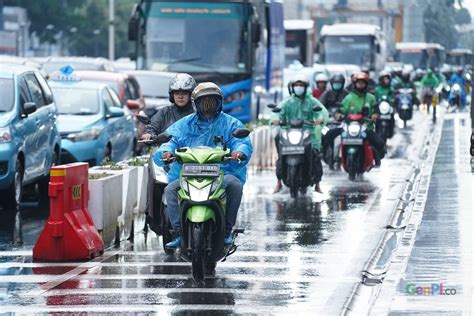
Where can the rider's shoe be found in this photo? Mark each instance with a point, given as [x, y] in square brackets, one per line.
[317, 188]
[175, 243]
[228, 240]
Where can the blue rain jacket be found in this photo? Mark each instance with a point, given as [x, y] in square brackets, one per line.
[192, 131]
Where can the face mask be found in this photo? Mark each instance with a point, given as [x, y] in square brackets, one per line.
[208, 106]
[337, 86]
[299, 91]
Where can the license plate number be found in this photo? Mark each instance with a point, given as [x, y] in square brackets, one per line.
[292, 150]
[352, 141]
[209, 170]
[385, 117]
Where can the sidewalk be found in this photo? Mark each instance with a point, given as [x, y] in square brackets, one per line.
[442, 256]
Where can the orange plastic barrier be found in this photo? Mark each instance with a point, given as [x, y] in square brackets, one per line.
[69, 233]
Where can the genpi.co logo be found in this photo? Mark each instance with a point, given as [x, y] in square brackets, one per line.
[433, 289]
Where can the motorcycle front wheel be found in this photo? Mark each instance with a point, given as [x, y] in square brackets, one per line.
[198, 252]
[293, 181]
[352, 167]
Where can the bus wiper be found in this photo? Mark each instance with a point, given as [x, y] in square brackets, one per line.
[187, 60]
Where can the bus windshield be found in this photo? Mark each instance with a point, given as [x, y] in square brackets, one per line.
[418, 59]
[199, 37]
[348, 50]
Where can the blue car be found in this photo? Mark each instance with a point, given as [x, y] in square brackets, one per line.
[29, 139]
[94, 126]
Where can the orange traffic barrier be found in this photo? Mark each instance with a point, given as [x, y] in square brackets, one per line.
[69, 233]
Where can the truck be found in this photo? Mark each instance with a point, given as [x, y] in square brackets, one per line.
[238, 44]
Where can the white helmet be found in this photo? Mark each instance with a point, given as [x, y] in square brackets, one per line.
[321, 77]
[181, 82]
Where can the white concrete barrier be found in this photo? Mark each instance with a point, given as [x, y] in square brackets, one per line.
[264, 151]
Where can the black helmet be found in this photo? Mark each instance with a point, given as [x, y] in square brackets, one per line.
[181, 82]
[337, 78]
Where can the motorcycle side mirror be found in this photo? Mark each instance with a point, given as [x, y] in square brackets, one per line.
[218, 139]
[241, 133]
[276, 110]
[143, 119]
[271, 106]
[317, 108]
[163, 138]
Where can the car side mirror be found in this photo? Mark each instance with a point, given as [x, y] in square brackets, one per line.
[133, 105]
[163, 138]
[271, 106]
[114, 111]
[29, 108]
[143, 119]
[276, 110]
[317, 108]
[241, 133]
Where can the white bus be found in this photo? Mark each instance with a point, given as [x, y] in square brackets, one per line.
[353, 43]
[299, 41]
[420, 54]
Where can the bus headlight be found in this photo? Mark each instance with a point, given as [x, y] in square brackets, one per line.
[236, 96]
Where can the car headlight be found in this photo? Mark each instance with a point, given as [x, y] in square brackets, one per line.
[199, 195]
[5, 135]
[236, 96]
[294, 137]
[354, 129]
[456, 87]
[384, 107]
[91, 134]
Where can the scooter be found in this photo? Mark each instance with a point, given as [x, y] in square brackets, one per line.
[385, 124]
[455, 96]
[202, 202]
[405, 104]
[357, 155]
[296, 153]
[156, 217]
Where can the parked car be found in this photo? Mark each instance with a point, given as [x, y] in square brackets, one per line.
[52, 64]
[154, 86]
[29, 139]
[128, 91]
[94, 125]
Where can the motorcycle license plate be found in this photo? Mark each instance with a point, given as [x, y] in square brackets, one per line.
[197, 170]
[385, 117]
[352, 141]
[292, 150]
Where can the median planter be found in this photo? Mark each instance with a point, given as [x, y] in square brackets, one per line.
[129, 196]
[105, 203]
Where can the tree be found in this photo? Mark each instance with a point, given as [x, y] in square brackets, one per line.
[439, 22]
[463, 16]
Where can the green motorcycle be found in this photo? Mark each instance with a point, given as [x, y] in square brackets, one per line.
[202, 201]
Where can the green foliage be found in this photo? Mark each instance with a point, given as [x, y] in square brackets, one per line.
[463, 16]
[97, 176]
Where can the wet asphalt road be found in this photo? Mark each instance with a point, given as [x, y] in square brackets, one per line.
[302, 255]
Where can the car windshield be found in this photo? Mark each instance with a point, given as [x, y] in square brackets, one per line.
[348, 50]
[216, 39]
[7, 94]
[77, 101]
[53, 66]
[153, 86]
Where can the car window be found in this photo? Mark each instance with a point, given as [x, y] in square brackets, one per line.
[107, 99]
[133, 90]
[115, 98]
[71, 100]
[35, 90]
[7, 91]
[24, 92]
[127, 90]
[48, 94]
[136, 87]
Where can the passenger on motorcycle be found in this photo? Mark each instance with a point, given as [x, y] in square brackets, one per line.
[299, 105]
[199, 129]
[333, 98]
[321, 82]
[360, 101]
[458, 78]
[384, 88]
[180, 88]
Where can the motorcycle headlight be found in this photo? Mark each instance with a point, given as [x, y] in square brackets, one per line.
[354, 129]
[456, 87]
[294, 137]
[448, 88]
[5, 135]
[236, 96]
[199, 195]
[439, 89]
[384, 108]
[91, 134]
[468, 77]
[306, 134]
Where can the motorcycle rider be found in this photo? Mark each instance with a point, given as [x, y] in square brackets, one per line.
[332, 98]
[458, 78]
[179, 92]
[321, 81]
[429, 82]
[406, 83]
[299, 105]
[199, 129]
[384, 88]
[360, 101]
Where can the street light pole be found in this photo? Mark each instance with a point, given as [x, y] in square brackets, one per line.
[111, 30]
